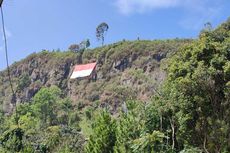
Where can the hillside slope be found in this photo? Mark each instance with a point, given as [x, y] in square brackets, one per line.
[188, 113]
[139, 80]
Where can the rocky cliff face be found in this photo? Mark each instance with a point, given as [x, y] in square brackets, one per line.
[126, 70]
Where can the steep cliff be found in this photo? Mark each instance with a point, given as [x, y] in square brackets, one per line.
[126, 70]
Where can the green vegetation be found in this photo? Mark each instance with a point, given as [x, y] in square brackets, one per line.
[101, 30]
[198, 85]
[133, 110]
[45, 125]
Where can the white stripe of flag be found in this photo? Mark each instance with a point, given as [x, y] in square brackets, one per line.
[83, 70]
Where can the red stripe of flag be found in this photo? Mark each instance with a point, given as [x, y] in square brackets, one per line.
[85, 67]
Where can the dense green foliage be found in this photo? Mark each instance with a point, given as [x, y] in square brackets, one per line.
[48, 124]
[103, 138]
[198, 90]
[191, 113]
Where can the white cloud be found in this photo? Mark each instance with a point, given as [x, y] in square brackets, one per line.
[8, 34]
[132, 6]
[196, 12]
[196, 20]
[142, 6]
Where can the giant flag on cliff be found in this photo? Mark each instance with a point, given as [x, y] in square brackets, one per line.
[83, 70]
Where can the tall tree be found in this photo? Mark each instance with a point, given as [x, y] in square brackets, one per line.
[87, 44]
[198, 89]
[44, 104]
[104, 135]
[100, 31]
[84, 44]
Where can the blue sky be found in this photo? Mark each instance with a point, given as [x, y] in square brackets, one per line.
[33, 25]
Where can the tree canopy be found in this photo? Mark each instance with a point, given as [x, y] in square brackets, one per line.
[101, 30]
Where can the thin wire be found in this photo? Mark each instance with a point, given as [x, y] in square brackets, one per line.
[7, 63]
[6, 51]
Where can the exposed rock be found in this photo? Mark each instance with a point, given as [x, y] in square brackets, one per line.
[159, 56]
[54, 68]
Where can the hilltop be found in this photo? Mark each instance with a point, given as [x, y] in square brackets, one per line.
[144, 74]
[159, 96]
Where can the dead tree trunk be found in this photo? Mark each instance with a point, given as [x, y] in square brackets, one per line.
[173, 133]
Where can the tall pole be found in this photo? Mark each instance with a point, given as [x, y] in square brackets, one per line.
[7, 63]
[1, 3]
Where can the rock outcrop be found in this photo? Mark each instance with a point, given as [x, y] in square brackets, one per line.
[125, 70]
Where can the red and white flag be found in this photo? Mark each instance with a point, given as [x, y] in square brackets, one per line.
[83, 70]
